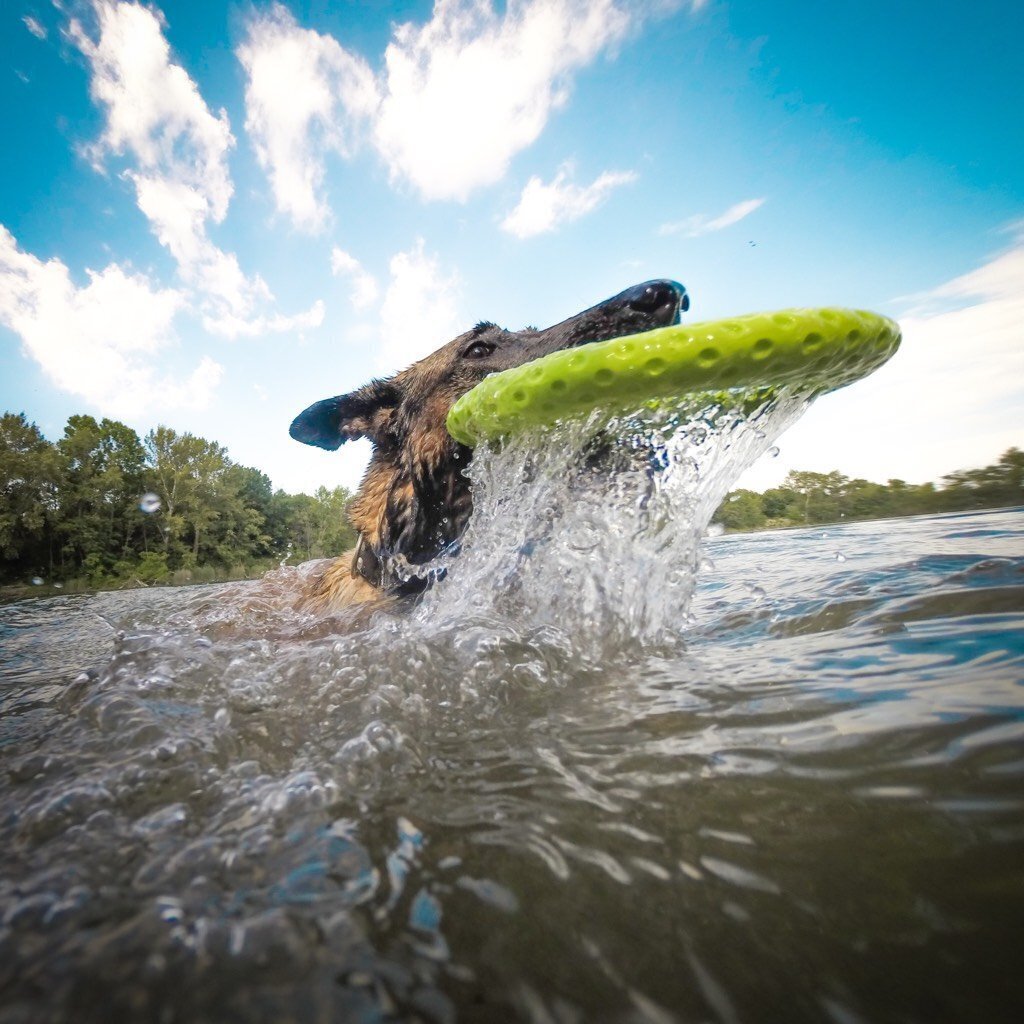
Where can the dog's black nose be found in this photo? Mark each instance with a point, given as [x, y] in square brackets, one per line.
[655, 296]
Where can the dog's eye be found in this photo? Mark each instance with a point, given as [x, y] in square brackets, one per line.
[478, 350]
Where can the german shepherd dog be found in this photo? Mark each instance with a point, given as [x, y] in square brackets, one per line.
[414, 501]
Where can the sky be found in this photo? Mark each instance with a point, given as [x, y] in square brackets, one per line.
[214, 214]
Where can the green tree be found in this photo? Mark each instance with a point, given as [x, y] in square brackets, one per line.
[185, 471]
[236, 531]
[778, 502]
[317, 525]
[990, 486]
[741, 510]
[820, 495]
[30, 477]
[103, 480]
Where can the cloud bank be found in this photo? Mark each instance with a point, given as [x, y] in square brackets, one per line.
[102, 341]
[176, 155]
[456, 99]
[305, 95]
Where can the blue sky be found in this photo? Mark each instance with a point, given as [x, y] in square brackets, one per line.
[215, 214]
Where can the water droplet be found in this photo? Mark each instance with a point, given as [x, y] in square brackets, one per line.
[59, 585]
[716, 530]
[706, 565]
[824, 535]
[840, 557]
[756, 592]
[773, 452]
[170, 909]
[37, 581]
[149, 502]
[222, 718]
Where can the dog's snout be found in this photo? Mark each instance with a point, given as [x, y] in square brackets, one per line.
[652, 296]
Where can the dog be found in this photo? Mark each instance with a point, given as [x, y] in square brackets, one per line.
[414, 501]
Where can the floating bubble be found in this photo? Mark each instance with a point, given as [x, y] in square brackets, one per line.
[773, 452]
[840, 557]
[37, 581]
[715, 530]
[149, 502]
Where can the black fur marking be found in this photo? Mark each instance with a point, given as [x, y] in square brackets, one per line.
[363, 413]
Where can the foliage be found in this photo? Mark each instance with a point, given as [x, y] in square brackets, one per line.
[805, 498]
[30, 475]
[74, 510]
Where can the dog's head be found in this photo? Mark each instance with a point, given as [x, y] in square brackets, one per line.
[414, 500]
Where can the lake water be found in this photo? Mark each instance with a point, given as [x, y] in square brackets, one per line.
[792, 793]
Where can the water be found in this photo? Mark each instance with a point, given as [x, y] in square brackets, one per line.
[790, 789]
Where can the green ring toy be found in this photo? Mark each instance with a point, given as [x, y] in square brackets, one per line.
[820, 349]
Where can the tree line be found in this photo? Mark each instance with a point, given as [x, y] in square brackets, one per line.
[805, 499]
[102, 506]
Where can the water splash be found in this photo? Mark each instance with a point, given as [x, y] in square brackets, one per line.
[595, 527]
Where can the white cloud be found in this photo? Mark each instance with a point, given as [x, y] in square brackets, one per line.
[364, 284]
[176, 151]
[420, 310]
[101, 341]
[304, 94]
[229, 326]
[37, 29]
[702, 224]
[951, 398]
[543, 207]
[469, 89]
[457, 98]
[278, 323]
[154, 110]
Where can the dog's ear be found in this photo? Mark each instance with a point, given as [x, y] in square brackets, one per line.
[363, 413]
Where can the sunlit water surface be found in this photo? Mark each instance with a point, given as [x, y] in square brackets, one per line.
[787, 787]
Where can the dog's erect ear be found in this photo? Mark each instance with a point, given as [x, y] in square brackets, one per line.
[363, 413]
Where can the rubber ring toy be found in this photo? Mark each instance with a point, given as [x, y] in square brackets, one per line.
[818, 350]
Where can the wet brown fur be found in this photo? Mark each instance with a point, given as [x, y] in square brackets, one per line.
[414, 500]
